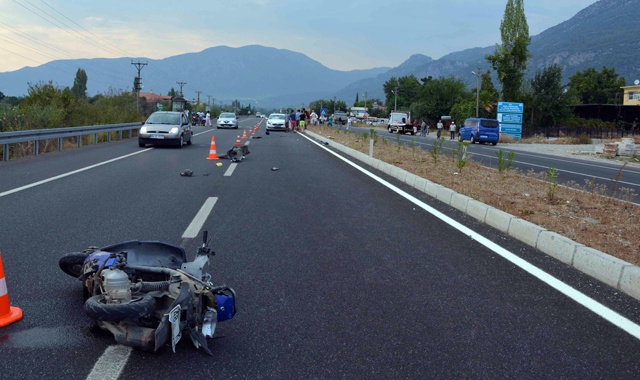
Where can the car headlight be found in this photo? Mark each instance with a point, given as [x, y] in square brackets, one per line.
[143, 129]
[174, 130]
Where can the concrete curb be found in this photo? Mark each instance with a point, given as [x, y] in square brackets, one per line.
[610, 270]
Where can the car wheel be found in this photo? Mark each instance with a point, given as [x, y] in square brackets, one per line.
[473, 139]
[460, 138]
[180, 142]
[141, 144]
[390, 130]
[494, 143]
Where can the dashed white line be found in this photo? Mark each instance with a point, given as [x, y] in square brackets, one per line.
[110, 365]
[17, 189]
[230, 170]
[198, 221]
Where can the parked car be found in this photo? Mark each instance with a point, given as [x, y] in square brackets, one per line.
[276, 122]
[227, 120]
[480, 130]
[165, 128]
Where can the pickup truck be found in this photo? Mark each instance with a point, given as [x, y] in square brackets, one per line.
[400, 122]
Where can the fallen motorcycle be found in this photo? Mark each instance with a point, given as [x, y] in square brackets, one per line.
[146, 292]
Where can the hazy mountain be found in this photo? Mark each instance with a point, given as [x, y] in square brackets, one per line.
[252, 74]
[603, 34]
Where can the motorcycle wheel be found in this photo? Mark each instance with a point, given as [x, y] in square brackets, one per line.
[97, 309]
[72, 263]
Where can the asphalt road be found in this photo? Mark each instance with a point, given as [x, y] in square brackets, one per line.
[338, 275]
[570, 168]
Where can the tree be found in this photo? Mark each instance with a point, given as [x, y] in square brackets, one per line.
[400, 93]
[437, 96]
[356, 102]
[510, 58]
[172, 93]
[79, 89]
[550, 103]
[593, 87]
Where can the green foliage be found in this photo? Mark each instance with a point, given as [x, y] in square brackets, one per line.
[510, 59]
[374, 135]
[462, 154]
[549, 102]
[329, 104]
[79, 89]
[49, 107]
[593, 87]
[436, 148]
[400, 93]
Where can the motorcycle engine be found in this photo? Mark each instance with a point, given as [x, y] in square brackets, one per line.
[116, 286]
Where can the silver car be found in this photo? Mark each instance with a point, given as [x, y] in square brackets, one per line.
[276, 122]
[165, 128]
[227, 120]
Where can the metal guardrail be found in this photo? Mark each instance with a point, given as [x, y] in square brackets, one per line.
[37, 135]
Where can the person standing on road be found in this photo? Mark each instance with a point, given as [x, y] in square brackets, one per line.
[452, 130]
[440, 127]
[207, 119]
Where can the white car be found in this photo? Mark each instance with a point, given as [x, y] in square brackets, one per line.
[276, 122]
[227, 120]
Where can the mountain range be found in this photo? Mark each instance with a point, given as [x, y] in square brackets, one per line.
[603, 34]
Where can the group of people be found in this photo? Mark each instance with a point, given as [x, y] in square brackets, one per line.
[200, 118]
[297, 120]
[424, 129]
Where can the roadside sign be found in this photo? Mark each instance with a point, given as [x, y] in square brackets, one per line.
[515, 118]
[509, 107]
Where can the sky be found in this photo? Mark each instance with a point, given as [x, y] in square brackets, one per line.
[342, 36]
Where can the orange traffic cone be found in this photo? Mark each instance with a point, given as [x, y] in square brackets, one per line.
[251, 131]
[8, 313]
[244, 134]
[238, 143]
[212, 151]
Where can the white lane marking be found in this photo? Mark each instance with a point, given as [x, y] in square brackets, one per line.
[17, 189]
[549, 156]
[198, 221]
[596, 307]
[230, 170]
[110, 365]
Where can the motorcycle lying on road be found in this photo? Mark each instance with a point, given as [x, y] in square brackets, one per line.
[146, 292]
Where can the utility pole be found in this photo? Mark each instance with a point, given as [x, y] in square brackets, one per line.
[395, 102]
[198, 92]
[137, 82]
[478, 84]
[365, 100]
[181, 84]
[334, 105]
[209, 101]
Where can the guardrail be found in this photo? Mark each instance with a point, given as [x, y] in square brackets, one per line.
[37, 135]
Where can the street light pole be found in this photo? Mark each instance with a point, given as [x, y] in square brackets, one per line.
[395, 102]
[478, 84]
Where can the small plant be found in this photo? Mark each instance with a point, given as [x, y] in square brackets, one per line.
[399, 142]
[365, 136]
[462, 154]
[511, 157]
[502, 165]
[616, 180]
[552, 178]
[374, 136]
[385, 141]
[436, 148]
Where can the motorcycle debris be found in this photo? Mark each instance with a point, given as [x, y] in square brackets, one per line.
[186, 173]
[273, 169]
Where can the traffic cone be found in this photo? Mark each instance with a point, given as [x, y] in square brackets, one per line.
[8, 313]
[238, 143]
[244, 134]
[212, 151]
[251, 131]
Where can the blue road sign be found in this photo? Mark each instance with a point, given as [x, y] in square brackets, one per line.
[510, 118]
[508, 107]
[510, 128]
